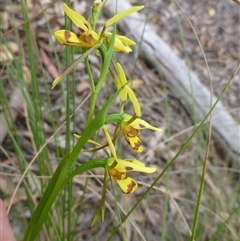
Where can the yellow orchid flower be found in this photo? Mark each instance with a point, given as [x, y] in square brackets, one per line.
[131, 131]
[127, 91]
[88, 37]
[118, 168]
[118, 171]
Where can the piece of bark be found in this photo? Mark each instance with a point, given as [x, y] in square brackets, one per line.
[183, 82]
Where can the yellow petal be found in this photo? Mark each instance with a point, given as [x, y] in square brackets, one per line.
[122, 14]
[135, 161]
[127, 185]
[134, 101]
[78, 19]
[133, 165]
[123, 93]
[121, 74]
[89, 141]
[110, 143]
[121, 43]
[121, 81]
[69, 38]
[120, 47]
[126, 41]
[141, 124]
[135, 143]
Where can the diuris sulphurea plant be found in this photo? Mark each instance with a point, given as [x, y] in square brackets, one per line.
[102, 43]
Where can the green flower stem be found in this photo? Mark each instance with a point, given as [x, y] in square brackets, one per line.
[103, 51]
[93, 91]
[96, 90]
[93, 100]
[89, 74]
[106, 55]
[96, 10]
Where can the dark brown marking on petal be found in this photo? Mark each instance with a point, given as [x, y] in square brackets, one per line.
[80, 30]
[116, 174]
[119, 175]
[137, 145]
[129, 160]
[128, 168]
[132, 131]
[67, 35]
[89, 38]
[130, 187]
[142, 126]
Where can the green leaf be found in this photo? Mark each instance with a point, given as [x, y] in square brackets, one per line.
[42, 204]
[93, 163]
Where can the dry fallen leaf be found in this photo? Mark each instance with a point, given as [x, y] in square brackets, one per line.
[4, 20]
[82, 86]
[211, 12]
[7, 51]
[136, 83]
[48, 64]
[5, 56]
[26, 75]
[29, 3]
[151, 217]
